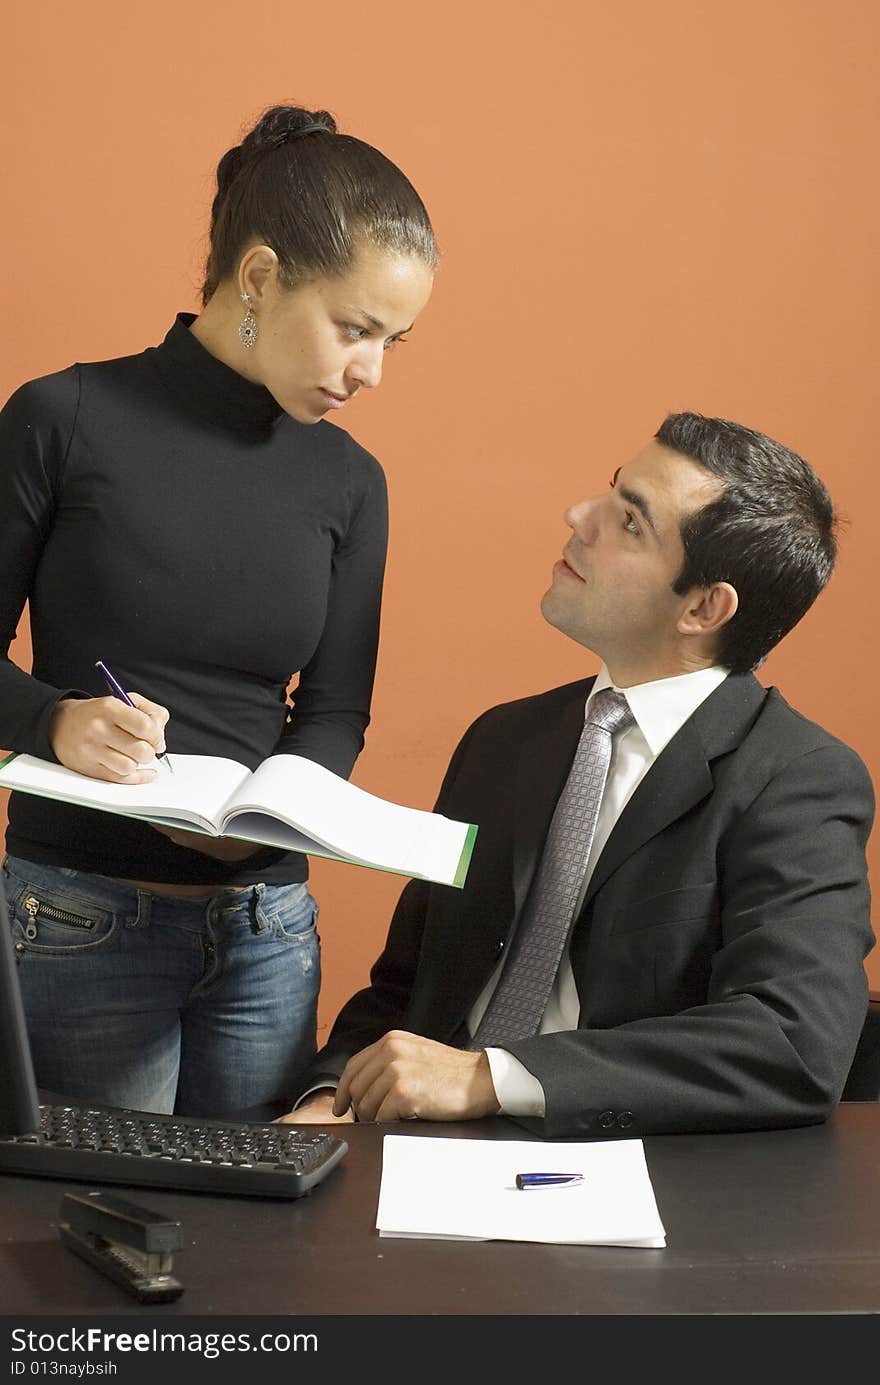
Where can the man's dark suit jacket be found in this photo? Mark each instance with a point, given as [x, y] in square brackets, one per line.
[719, 951]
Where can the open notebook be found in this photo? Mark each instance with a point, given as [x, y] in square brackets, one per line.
[287, 801]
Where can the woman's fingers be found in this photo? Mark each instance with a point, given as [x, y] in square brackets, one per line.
[106, 739]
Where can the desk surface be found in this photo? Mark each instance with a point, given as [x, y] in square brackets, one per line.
[770, 1222]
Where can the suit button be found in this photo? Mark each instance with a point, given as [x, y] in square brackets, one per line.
[625, 1119]
[606, 1119]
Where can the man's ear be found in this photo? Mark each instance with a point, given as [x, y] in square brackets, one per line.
[258, 268]
[707, 609]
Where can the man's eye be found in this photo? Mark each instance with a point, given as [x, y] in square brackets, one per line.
[353, 332]
[392, 342]
[630, 524]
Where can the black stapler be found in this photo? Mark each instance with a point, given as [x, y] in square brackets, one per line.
[129, 1244]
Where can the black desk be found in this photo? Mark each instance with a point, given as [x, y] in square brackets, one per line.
[779, 1222]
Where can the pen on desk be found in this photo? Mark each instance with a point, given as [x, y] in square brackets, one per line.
[524, 1181]
[119, 691]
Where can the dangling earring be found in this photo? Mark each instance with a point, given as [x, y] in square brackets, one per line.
[247, 328]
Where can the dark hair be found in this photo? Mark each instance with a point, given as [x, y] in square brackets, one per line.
[770, 534]
[310, 193]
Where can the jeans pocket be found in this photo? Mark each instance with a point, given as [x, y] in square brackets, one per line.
[57, 922]
[290, 912]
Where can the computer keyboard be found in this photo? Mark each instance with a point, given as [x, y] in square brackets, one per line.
[111, 1145]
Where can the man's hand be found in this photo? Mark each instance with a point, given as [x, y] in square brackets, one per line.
[317, 1109]
[220, 848]
[106, 739]
[405, 1076]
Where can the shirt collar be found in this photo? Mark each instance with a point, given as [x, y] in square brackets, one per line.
[211, 388]
[662, 707]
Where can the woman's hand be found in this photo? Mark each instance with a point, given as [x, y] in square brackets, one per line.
[220, 848]
[317, 1109]
[106, 739]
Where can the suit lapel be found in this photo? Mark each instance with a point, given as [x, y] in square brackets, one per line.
[681, 776]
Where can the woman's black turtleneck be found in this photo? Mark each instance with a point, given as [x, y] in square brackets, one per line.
[162, 513]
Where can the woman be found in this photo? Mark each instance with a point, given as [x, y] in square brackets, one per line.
[186, 515]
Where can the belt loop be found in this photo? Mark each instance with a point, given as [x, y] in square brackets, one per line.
[258, 920]
[145, 908]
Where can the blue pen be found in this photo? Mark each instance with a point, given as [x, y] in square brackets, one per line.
[524, 1181]
[118, 691]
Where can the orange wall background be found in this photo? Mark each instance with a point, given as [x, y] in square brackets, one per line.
[642, 208]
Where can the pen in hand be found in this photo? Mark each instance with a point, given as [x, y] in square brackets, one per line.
[524, 1181]
[118, 691]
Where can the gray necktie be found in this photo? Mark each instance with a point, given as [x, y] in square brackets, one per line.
[518, 1002]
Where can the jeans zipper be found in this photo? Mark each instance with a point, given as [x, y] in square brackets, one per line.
[33, 906]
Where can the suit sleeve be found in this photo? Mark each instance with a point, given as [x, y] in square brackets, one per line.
[786, 994]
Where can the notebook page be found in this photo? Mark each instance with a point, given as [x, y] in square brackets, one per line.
[349, 820]
[194, 791]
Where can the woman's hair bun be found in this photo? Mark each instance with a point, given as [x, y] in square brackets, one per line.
[276, 127]
[281, 124]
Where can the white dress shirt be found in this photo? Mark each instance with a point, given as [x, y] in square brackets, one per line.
[660, 710]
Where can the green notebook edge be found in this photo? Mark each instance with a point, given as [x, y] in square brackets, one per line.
[464, 859]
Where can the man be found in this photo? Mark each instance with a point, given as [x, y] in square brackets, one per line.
[705, 962]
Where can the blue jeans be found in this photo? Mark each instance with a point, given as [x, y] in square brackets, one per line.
[204, 1007]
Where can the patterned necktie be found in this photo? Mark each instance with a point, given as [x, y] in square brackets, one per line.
[518, 1002]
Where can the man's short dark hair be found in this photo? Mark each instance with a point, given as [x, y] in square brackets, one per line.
[770, 534]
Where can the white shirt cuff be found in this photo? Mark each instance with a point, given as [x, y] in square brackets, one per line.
[518, 1091]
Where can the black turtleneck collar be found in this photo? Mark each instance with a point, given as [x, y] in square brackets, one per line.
[210, 388]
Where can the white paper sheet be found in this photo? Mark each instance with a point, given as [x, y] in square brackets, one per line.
[466, 1190]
